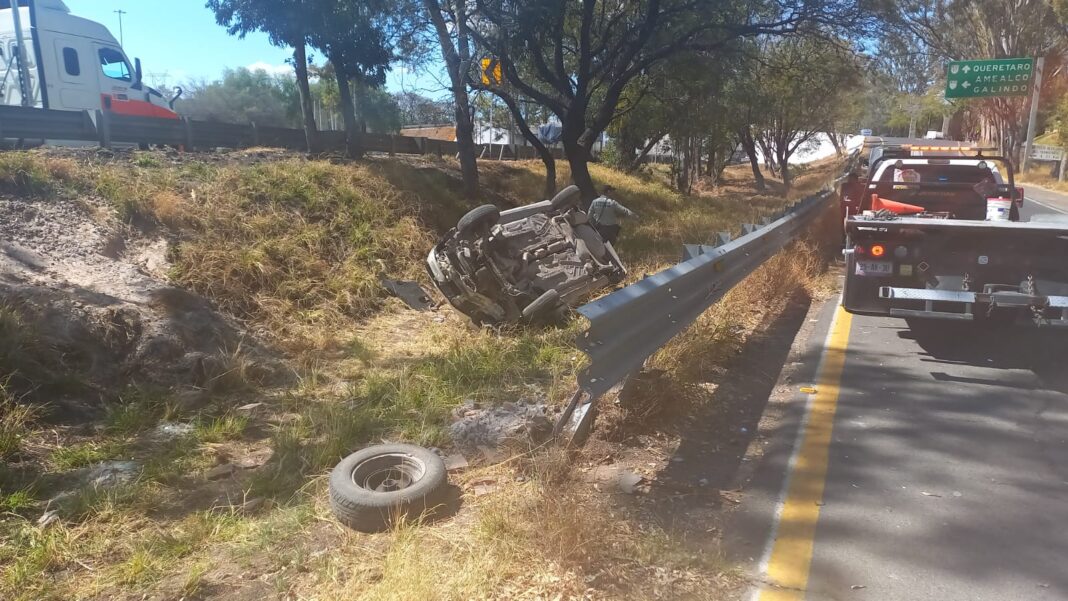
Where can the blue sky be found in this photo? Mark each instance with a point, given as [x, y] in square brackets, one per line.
[178, 41]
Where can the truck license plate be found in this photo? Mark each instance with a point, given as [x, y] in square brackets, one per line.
[878, 268]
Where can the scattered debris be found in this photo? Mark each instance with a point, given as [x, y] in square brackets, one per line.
[250, 408]
[929, 494]
[491, 455]
[220, 471]
[524, 422]
[48, 518]
[411, 293]
[455, 462]
[626, 480]
[808, 389]
[484, 486]
[107, 474]
[253, 505]
[857, 587]
[171, 430]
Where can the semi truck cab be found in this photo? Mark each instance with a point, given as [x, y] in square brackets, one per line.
[72, 63]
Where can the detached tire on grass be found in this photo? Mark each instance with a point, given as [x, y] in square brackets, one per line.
[374, 487]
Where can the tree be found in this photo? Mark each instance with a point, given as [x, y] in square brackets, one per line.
[416, 109]
[449, 19]
[578, 58]
[976, 29]
[354, 36]
[242, 96]
[285, 22]
[804, 84]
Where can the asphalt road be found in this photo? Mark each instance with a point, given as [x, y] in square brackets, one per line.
[932, 463]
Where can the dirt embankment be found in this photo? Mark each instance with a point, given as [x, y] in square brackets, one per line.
[207, 335]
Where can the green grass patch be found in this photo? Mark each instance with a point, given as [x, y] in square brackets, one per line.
[17, 501]
[15, 421]
[29, 174]
[84, 454]
[137, 409]
[228, 426]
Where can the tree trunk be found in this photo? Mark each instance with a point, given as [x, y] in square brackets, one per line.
[784, 169]
[348, 113]
[456, 56]
[578, 159]
[836, 143]
[307, 111]
[524, 128]
[649, 146]
[745, 137]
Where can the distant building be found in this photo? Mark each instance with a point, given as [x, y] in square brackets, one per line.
[446, 133]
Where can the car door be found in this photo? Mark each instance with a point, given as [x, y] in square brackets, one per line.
[77, 76]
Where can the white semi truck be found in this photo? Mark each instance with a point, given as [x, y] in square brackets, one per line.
[64, 62]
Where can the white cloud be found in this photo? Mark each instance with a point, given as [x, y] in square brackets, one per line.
[272, 69]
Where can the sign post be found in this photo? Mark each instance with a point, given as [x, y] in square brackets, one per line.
[1032, 121]
[988, 78]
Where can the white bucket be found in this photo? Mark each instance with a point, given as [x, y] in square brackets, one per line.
[997, 209]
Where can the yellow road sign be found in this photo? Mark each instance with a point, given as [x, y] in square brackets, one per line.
[491, 71]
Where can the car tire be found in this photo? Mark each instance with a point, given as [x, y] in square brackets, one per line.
[567, 198]
[372, 488]
[548, 300]
[478, 219]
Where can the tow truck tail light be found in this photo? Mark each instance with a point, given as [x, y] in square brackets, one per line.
[1019, 197]
[878, 250]
[860, 250]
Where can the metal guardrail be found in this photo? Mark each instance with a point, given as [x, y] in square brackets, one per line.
[629, 325]
[107, 128]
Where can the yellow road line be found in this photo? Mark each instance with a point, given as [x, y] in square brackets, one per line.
[790, 558]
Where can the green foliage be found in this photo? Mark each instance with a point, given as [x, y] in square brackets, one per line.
[84, 454]
[244, 96]
[228, 426]
[137, 409]
[15, 420]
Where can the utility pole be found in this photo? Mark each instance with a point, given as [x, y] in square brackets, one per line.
[1032, 122]
[120, 12]
[25, 86]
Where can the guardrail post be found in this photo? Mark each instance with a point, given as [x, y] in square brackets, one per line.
[255, 133]
[1064, 163]
[437, 148]
[187, 125]
[103, 128]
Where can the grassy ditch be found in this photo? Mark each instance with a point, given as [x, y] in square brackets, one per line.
[294, 249]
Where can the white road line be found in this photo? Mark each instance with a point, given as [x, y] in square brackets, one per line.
[1042, 204]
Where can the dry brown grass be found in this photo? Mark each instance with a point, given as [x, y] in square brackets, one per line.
[1042, 177]
[295, 248]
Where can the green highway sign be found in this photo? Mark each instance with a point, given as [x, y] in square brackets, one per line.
[997, 77]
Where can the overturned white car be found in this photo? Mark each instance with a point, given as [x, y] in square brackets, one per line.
[527, 263]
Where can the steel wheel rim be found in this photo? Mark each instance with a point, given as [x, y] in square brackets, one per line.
[390, 472]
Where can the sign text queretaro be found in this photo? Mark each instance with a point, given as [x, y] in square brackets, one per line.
[996, 77]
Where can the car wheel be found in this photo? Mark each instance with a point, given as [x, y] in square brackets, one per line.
[373, 488]
[567, 198]
[478, 219]
[543, 303]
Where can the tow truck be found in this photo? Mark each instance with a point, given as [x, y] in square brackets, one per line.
[934, 232]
